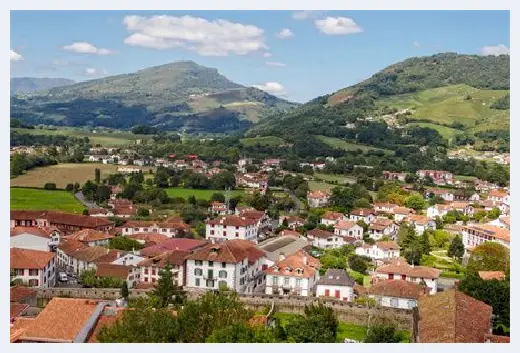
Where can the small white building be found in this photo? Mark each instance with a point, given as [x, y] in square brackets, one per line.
[318, 198]
[381, 227]
[33, 268]
[330, 218]
[476, 234]
[362, 214]
[149, 268]
[422, 223]
[397, 293]
[35, 238]
[401, 213]
[345, 228]
[336, 283]
[231, 227]
[171, 227]
[324, 239]
[381, 250]
[400, 269]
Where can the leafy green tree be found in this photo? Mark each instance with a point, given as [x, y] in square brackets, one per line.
[489, 256]
[383, 333]
[217, 196]
[494, 213]
[318, 325]
[69, 187]
[424, 240]
[50, 186]
[124, 290]
[89, 190]
[358, 263]
[456, 249]
[97, 175]
[143, 212]
[406, 235]
[413, 253]
[242, 333]
[166, 292]
[415, 201]
[124, 243]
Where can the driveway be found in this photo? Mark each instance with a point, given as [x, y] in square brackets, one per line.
[81, 198]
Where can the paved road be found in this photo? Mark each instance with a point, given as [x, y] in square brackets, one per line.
[81, 198]
[296, 200]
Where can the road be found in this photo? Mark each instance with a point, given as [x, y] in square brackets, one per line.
[81, 198]
[295, 198]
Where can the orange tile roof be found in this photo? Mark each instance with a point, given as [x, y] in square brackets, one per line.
[453, 317]
[489, 275]
[60, 321]
[400, 266]
[37, 231]
[497, 339]
[234, 221]
[77, 220]
[493, 231]
[319, 233]
[105, 321]
[231, 251]
[290, 232]
[419, 219]
[111, 270]
[173, 257]
[397, 288]
[88, 235]
[17, 309]
[403, 210]
[156, 238]
[362, 212]
[332, 215]
[497, 193]
[288, 266]
[317, 194]
[344, 224]
[387, 245]
[71, 245]
[18, 293]
[30, 259]
[90, 253]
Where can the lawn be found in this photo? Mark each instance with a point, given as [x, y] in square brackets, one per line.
[63, 174]
[316, 185]
[340, 179]
[348, 146]
[262, 140]
[198, 193]
[106, 139]
[446, 132]
[39, 199]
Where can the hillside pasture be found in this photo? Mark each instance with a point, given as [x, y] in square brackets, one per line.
[262, 140]
[199, 193]
[40, 199]
[347, 146]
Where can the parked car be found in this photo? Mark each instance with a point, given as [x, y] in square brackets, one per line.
[62, 276]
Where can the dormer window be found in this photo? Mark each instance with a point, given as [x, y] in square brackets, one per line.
[287, 269]
[275, 268]
[299, 271]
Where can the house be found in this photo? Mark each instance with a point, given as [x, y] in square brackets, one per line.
[231, 227]
[394, 176]
[290, 232]
[23, 295]
[277, 248]
[421, 223]
[336, 283]
[130, 274]
[384, 207]
[149, 268]
[466, 195]
[100, 212]
[366, 215]
[148, 239]
[330, 218]
[34, 268]
[401, 213]
[91, 237]
[498, 196]
[397, 293]
[35, 238]
[437, 210]
[491, 275]
[295, 274]
[75, 256]
[445, 194]
[345, 228]
[324, 239]
[400, 269]
[218, 208]
[452, 317]
[476, 234]
[235, 264]
[381, 227]
[126, 211]
[463, 207]
[172, 227]
[253, 180]
[172, 244]
[260, 217]
[317, 198]
[381, 250]
[126, 259]
[293, 222]
[501, 222]
[439, 177]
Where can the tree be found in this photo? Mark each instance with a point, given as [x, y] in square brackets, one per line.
[89, 190]
[124, 290]
[318, 325]
[69, 187]
[124, 243]
[494, 213]
[358, 263]
[415, 201]
[406, 235]
[97, 173]
[50, 186]
[456, 249]
[166, 291]
[383, 333]
[143, 212]
[489, 256]
[217, 196]
[424, 240]
[242, 333]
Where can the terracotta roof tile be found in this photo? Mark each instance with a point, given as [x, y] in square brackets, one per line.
[37, 231]
[17, 309]
[489, 275]
[30, 259]
[173, 257]
[362, 212]
[88, 235]
[71, 245]
[400, 266]
[234, 221]
[89, 254]
[319, 233]
[156, 238]
[398, 288]
[230, 251]
[111, 270]
[332, 215]
[18, 293]
[172, 244]
[317, 194]
[387, 245]
[497, 339]
[493, 231]
[289, 265]
[344, 224]
[77, 220]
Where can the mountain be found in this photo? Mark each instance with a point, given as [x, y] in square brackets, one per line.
[32, 84]
[181, 95]
[456, 95]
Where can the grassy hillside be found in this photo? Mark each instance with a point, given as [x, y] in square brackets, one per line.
[263, 140]
[39, 199]
[347, 146]
[33, 84]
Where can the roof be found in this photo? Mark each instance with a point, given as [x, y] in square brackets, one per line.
[172, 244]
[88, 235]
[71, 245]
[494, 231]
[387, 245]
[318, 194]
[110, 270]
[489, 275]
[149, 237]
[289, 265]
[110, 256]
[344, 224]
[43, 232]
[174, 222]
[234, 221]
[292, 219]
[290, 232]
[286, 245]
[397, 288]
[60, 321]
[362, 212]
[77, 220]
[497, 339]
[18, 293]
[403, 210]
[104, 321]
[230, 251]
[30, 259]
[17, 309]
[400, 266]
[24, 215]
[252, 214]
[497, 193]
[381, 223]
[336, 277]
[453, 317]
[332, 215]
[418, 219]
[89, 254]
[173, 257]
[319, 233]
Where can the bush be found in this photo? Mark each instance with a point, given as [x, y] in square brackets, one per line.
[69, 187]
[50, 186]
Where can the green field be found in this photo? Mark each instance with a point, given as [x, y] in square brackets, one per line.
[39, 199]
[262, 140]
[462, 104]
[347, 146]
[316, 185]
[113, 139]
[341, 179]
[198, 193]
[446, 132]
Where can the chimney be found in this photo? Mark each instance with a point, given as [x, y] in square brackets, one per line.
[281, 256]
[305, 259]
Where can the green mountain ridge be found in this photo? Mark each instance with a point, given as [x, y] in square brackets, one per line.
[181, 95]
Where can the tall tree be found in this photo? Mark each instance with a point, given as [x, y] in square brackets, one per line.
[97, 172]
[124, 290]
[318, 325]
[166, 291]
[383, 333]
[489, 256]
[456, 249]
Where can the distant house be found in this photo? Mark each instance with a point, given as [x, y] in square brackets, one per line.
[421, 223]
[394, 176]
[345, 228]
[501, 222]
[366, 215]
[439, 177]
[91, 237]
[171, 227]
[381, 227]
[384, 208]
[445, 194]
[401, 213]
[231, 227]
[336, 283]
[463, 207]
[318, 198]
[324, 239]
[276, 249]
[400, 269]
[218, 208]
[35, 238]
[149, 268]
[438, 210]
[330, 218]
[34, 268]
[397, 293]
[381, 250]
[497, 195]
[475, 234]
[293, 222]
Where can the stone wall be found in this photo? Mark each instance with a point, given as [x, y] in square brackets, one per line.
[88, 293]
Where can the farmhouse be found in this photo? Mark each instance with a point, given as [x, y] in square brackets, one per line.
[231, 227]
[317, 198]
[345, 228]
[218, 208]
[399, 269]
[33, 267]
[330, 218]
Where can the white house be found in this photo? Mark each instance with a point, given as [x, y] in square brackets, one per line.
[397, 293]
[476, 234]
[362, 214]
[400, 269]
[293, 222]
[236, 264]
[293, 275]
[318, 198]
[381, 227]
[381, 250]
[231, 227]
[336, 283]
[128, 259]
[501, 222]
[35, 238]
[129, 274]
[330, 218]
[171, 227]
[149, 268]
[498, 196]
[75, 256]
[33, 267]
[421, 223]
[401, 213]
[385, 208]
[445, 194]
[218, 208]
[324, 239]
[91, 237]
[348, 229]
[437, 211]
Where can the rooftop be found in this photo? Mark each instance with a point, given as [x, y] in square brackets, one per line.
[400, 266]
[230, 251]
[30, 259]
[88, 235]
[173, 257]
[18, 293]
[336, 277]
[111, 270]
[397, 288]
[289, 266]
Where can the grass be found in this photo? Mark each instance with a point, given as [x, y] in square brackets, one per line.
[316, 185]
[347, 146]
[39, 199]
[262, 140]
[446, 132]
[63, 174]
[198, 193]
[113, 139]
[340, 179]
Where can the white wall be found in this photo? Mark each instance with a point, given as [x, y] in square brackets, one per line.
[356, 232]
[345, 292]
[46, 276]
[128, 260]
[431, 283]
[29, 241]
[394, 302]
[246, 233]
[303, 287]
[233, 274]
[376, 253]
[169, 232]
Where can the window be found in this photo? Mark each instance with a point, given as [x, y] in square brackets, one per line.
[19, 272]
[236, 234]
[33, 272]
[394, 302]
[223, 265]
[164, 230]
[286, 281]
[222, 274]
[210, 263]
[136, 229]
[153, 272]
[146, 279]
[198, 263]
[224, 233]
[145, 229]
[197, 282]
[275, 281]
[298, 283]
[411, 304]
[210, 283]
[145, 271]
[198, 272]
[33, 283]
[211, 232]
[210, 274]
[222, 284]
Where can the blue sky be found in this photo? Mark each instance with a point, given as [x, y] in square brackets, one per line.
[292, 54]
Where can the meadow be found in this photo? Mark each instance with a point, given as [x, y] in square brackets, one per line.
[39, 199]
[262, 140]
[347, 146]
[198, 193]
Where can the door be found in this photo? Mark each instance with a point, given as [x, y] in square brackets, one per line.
[327, 292]
[337, 294]
[390, 276]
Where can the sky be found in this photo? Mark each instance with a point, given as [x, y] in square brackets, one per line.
[297, 55]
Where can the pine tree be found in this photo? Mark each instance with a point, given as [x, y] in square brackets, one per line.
[425, 243]
[98, 175]
[166, 292]
[456, 249]
[124, 290]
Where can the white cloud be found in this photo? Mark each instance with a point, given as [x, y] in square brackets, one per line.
[285, 33]
[207, 38]
[267, 55]
[14, 56]
[274, 63]
[337, 26]
[87, 48]
[91, 71]
[305, 15]
[416, 44]
[495, 50]
[274, 88]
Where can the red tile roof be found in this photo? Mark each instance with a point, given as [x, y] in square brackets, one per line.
[234, 221]
[89, 235]
[332, 215]
[105, 321]
[174, 223]
[344, 224]
[173, 257]
[71, 245]
[362, 212]
[497, 339]
[290, 232]
[18, 293]
[400, 266]
[231, 251]
[90, 253]
[30, 259]
[489, 275]
[172, 244]
[17, 309]
[493, 231]
[387, 245]
[453, 317]
[156, 238]
[318, 233]
[398, 288]
[77, 220]
[44, 232]
[288, 267]
[318, 194]
[110, 270]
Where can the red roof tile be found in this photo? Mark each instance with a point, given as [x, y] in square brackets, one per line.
[400, 266]
[89, 235]
[290, 265]
[17, 309]
[111, 270]
[18, 293]
[489, 275]
[231, 251]
[319, 233]
[37, 231]
[234, 221]
[398, 288]
[173, 257]
[172, 244]
[30, 259]
[71, 245]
